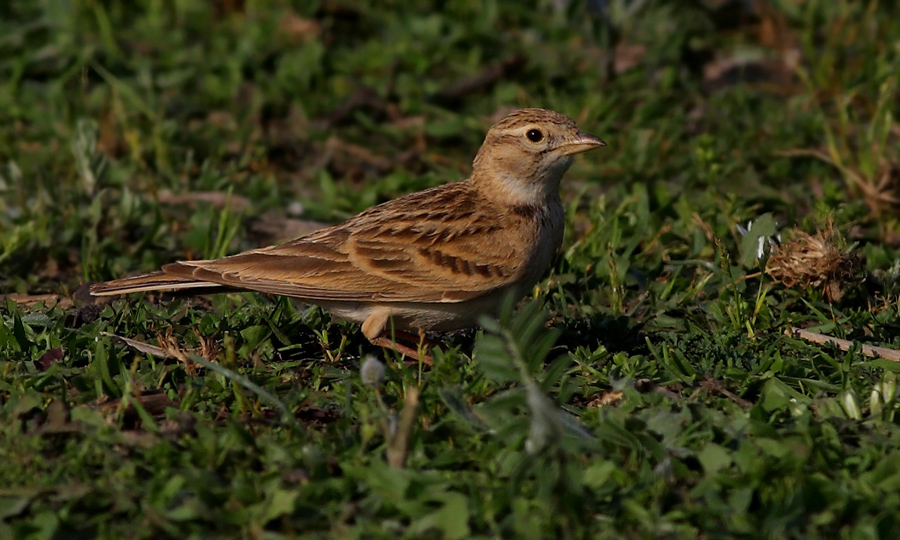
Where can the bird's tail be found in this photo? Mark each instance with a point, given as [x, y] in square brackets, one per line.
[156, 281]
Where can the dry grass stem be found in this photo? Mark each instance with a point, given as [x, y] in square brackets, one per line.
[398, 446]
[880, 191]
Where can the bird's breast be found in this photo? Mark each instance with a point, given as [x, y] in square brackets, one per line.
[549, 227]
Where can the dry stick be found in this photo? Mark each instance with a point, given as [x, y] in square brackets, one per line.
[844, 345]
[719, 386]
[646, 385]
[29, 300]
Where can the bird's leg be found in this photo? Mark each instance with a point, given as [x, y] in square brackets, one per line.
[376, 330]
[395, 345]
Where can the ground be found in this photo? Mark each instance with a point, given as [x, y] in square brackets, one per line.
[652, 385]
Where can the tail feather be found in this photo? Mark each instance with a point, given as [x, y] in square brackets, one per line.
[156, 281]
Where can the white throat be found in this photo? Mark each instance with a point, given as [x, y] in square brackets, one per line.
[524, 192]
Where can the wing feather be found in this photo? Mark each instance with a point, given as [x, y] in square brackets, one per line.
[437, 246]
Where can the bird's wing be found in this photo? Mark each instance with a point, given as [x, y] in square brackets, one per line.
[437, 246]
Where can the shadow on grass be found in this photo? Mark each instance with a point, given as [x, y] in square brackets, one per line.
[614, 333]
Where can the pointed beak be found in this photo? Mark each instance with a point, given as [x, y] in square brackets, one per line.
[581, 142]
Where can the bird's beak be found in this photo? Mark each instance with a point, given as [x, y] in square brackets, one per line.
[581, 142]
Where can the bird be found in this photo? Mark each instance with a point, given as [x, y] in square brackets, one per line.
[433, 260]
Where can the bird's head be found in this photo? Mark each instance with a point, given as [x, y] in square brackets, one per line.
[524, 156]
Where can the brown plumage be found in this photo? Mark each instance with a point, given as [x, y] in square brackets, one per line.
[432, 260]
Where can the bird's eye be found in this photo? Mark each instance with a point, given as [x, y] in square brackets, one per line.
[534, 135]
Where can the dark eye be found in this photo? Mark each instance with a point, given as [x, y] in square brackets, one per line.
[534, 135]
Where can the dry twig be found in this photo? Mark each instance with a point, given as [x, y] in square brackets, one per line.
[869, 350]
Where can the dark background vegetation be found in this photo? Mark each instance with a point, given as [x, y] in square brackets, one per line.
[652, 388]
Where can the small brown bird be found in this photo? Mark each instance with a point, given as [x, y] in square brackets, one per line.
[433, 260]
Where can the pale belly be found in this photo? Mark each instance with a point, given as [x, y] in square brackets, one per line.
[412, 317]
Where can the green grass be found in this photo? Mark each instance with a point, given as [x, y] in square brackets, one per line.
[648, 389]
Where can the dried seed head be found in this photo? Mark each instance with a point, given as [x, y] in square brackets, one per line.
[819, 261]
[372, 371]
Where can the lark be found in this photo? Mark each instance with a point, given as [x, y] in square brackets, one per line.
[435, 260]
